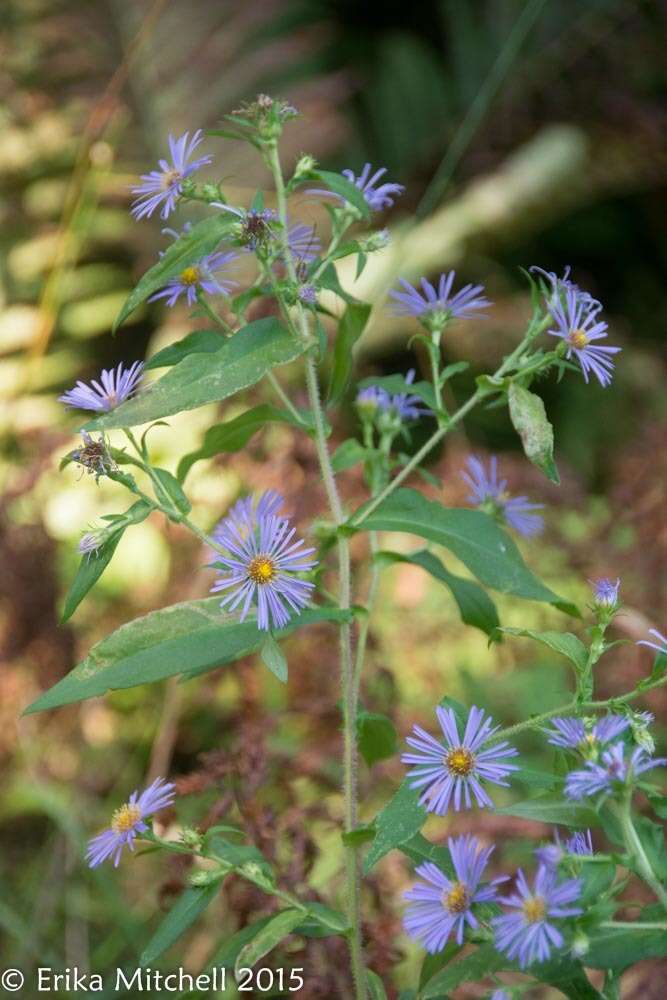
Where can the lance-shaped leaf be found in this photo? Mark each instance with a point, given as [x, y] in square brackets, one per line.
[376, 737]
[241, 361]
[475, 965]
[350, 329]
[271, 934]
[561, 642]
[618, 947]
[93, 564]
[183, 914]
[473, 537]
[398, 822]
[235, 434]
[274, 658]
[188, 638]
[537, 435]
[200, 240]
[553, 810]
[197, 342]
[475, 605]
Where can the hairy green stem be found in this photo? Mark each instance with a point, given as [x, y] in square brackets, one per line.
[635, 848]
[578, 707]
[352, 867]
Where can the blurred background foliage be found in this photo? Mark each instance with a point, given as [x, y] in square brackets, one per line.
[544, 123]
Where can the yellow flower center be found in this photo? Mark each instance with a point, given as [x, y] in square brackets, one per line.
[169, 177]
[459, 761]
[578, 339]
[456, 899]
[534, 909]
[190, 276]
[125, 818]
[262, 569]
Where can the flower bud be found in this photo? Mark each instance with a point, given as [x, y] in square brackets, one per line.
[304, 166]
[580, 945]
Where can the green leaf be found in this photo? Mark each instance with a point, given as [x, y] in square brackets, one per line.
[322, 921]
[346, 189]
[188, 638]
[376, 737]
[183, 914]
[376, 990]
[475, 605]
[652, 837]
[197, 342]
[537, 435]
[93, 564]
[172, 490]
[328, 279]
[400, 820]
[349, 453]
[553, 810]
[273, 932]
[568, 976]
[226, 957]
[419, 849]
[619, 947]
[561, 642]
[241, 361]
[476, 965]
[201, 239]
[273, 657]
[350, 328]
[235, 434]
[472, 536]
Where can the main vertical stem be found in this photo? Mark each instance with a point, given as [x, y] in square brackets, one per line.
[352, 868]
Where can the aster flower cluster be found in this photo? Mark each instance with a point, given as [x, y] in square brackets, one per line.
[453, 773]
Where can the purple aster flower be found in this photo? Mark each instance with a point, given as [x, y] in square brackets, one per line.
[605, 592]
[614, 769]
[163, 186]
[552, 854]
[203, 276]
[500, 995]
[435, 307]
[574, 734]
[90, 542]
[490, 493]
[262, 563]
[303, 243]
[373, 397]
[405, 405]
[578, 325]
[377, 196]
[529, 934]
[560, 286]
[114, 387]
[308, 295]
[660, 646]
[129, 821]
[443, 907]
[459, 766]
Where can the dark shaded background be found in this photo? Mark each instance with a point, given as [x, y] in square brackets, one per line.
[569, 154]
